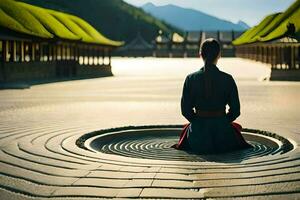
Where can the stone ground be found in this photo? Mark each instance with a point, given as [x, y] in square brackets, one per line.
[39, 127]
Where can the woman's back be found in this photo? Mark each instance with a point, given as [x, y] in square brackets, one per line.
[221, 86]
[204, 98]
[210, 133]
[223, 92]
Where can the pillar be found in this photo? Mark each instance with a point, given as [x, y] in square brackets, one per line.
[297, 53]
[280, 57]
[63, 52]
[99, 55]
[80, 55]
[103, 56]
[54, 52]
[2, 47]
[31, 51]
[76, 53]
[37, 52]
[96, 60]
[41, 52]
[109, 58]
[4, 59]
[91, 57]
[85, 53]
[268, 55]
[4, 50]
[68, 52]
[58, 52]
[262, 53]
[45, 52]
[22, 52]
[293, 60]
[13, 56]
[272, 56]
[288, 56]
[72, 57]
[49, 53]
[246, 51]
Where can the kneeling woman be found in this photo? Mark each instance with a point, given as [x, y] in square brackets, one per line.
[204, 98]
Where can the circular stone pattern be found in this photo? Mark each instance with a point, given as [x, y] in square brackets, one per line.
[154, 142]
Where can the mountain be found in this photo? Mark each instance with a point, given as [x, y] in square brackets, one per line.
[190, 19]
[243, 24]
[114, 18]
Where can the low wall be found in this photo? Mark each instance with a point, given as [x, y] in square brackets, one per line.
[19, 72]
[88, 71]
[285, 75]
[1, 73]
[50, 71]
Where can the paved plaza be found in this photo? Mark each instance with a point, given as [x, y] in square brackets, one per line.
[39, 127]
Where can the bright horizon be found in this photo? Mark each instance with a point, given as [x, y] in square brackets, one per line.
[251, 12]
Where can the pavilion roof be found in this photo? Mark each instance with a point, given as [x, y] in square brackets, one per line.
[194, 36]
[49, 24]
[7, 34]
[274, 26]
[209, 34]
[138, 43]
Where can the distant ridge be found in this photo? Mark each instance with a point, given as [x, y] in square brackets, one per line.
[243, 24]
[190, 19]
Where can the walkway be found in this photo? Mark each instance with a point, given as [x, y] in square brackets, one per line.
[39, 128]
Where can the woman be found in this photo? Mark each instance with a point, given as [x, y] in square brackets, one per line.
[205, 96]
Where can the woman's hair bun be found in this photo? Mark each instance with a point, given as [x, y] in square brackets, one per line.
[210, 50]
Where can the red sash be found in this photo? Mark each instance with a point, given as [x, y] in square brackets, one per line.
[183, 136]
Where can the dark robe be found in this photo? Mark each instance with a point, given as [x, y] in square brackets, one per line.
[210, 91]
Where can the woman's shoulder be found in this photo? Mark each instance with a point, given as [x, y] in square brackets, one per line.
[200, 74]
[195, 74]
[226, 76]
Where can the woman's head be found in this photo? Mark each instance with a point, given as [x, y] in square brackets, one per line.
[210, 51]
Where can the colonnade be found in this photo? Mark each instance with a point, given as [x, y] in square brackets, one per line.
[27, 51]
[278, 55]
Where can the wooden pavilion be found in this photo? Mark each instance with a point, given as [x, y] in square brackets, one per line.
[275, 41]
[188, 46]
[138, 47]
[38, 44]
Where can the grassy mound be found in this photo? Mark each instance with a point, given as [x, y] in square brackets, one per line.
[24, 18]
[251, 34]
[283, 28]
[274, 26]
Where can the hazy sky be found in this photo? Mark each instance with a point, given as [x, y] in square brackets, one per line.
[250, 11]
